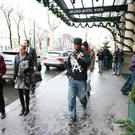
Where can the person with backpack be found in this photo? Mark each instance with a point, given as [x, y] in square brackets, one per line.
[90, 67]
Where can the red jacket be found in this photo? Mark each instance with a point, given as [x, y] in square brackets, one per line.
[2, 68]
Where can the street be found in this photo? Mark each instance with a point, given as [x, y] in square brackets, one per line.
[49, 109]
[11, 94]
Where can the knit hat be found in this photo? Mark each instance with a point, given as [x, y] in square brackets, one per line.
[78, 41]
[85, 44]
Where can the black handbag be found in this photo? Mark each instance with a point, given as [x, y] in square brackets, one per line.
[37, 76]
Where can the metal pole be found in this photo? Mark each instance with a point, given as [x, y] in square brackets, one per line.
[34, 33]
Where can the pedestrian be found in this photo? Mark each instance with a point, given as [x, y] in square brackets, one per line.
[32, 52]
[78, 62]
[132, 67]
[90, 67]
[100, 60]
[106, 54]
[22, 67]
[2, 72]
[117, 55]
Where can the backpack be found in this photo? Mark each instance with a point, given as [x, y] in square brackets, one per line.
[126, 88]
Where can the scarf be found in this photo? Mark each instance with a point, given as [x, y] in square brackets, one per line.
[21, 70]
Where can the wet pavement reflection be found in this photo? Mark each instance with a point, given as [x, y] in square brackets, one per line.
[11, 94]
[49, 109]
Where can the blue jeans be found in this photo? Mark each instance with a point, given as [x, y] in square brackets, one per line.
[117, 67]
[132, 77]
[76, 87]
[105, 62]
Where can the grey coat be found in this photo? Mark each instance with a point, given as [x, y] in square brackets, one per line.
[17, 75]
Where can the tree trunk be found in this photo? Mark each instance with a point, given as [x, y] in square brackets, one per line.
[40, 45]
[18, 34]
[10, 37]
[52, 40]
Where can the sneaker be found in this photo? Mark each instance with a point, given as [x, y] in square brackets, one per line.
[118, 74]
[71, 121]
[114, 74]
[88, 93]
[98, 71]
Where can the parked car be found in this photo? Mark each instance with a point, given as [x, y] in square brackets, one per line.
[9, 57]
[69, 52]
[56, 59]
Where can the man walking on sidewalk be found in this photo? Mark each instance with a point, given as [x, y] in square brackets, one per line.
[117, 55]
[2, 72]
[90, 67]
[32, 52]
[100, 60]
[78, 62]
[106, 54]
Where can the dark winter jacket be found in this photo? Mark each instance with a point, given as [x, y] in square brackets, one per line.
[17, 62]
[132, 64]
[106, 52]
[118, 56]
[34, 56]
[100, 56]
[2, 68]
[77, 68]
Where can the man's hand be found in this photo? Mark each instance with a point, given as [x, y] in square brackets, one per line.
[106, 57]
[35, 68]
[74, 55]
[70, 77]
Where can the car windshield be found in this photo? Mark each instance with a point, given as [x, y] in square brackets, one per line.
[54, 55]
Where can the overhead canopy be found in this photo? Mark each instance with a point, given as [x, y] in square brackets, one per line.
[91, 10]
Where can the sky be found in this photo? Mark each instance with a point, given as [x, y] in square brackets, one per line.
[36, 11]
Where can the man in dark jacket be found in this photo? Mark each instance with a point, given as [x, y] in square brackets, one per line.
[32, 52]
[117, 55]
[106, 54]
[2, 72]
[78, 62]
[100, 60]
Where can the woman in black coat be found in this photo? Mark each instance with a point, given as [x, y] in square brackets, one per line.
[22, 67]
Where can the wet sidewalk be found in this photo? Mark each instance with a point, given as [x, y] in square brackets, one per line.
[49, 109]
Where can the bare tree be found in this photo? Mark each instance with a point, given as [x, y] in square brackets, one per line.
[41, 34]
[52, 28]
[7, 14]
[17, 21]
[67, 40]
[24, 29]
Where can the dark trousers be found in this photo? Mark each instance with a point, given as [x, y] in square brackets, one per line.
[2, 103]
[27, 98]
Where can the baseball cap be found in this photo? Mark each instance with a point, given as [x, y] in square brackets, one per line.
[77, 40]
